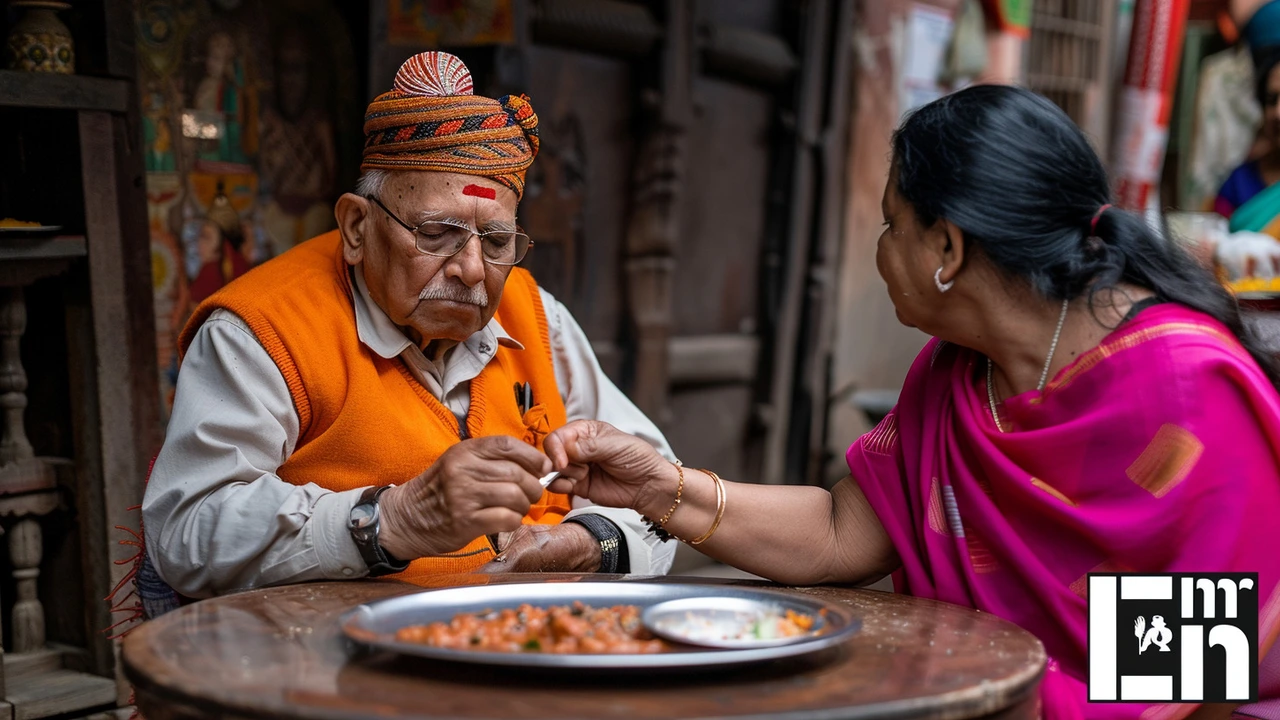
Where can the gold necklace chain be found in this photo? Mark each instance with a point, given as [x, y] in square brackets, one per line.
[1044, 374]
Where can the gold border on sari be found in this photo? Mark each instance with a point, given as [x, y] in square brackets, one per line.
[1133, 339]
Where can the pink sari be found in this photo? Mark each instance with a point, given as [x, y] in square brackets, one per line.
[1157, 451]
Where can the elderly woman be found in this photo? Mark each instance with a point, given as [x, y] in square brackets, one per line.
[1090, 403]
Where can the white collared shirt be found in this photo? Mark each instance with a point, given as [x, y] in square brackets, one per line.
[218, 518]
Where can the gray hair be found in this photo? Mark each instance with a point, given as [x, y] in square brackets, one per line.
[371, 182]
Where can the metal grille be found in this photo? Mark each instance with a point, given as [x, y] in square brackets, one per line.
[1068, 58]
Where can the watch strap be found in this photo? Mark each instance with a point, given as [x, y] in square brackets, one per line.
[378, 560]
[614, 557]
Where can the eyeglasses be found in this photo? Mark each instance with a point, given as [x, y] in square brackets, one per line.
[440, 238]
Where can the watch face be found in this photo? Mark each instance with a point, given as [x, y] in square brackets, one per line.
[362, 516]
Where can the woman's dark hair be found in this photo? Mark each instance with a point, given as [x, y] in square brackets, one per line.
[1020, 179]
[1264, 61]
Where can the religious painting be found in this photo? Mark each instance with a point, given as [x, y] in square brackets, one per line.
[157, 133]
[168, 276]
[221, 238]
[220, 117]
[299, 158]
[251, 125]
[449, 23]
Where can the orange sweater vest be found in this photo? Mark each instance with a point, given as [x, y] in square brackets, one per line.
[364, 420]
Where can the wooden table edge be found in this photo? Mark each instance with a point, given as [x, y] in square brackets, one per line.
[1014, 691]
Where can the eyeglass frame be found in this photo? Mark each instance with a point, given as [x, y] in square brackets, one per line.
[414, 231]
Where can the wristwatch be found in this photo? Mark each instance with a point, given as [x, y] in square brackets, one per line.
[364, 523]
[614, 557]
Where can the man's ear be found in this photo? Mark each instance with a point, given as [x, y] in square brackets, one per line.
[354, 223]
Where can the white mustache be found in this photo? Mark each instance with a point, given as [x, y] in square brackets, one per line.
[456, 293]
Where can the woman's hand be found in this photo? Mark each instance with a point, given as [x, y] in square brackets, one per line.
[610, 467]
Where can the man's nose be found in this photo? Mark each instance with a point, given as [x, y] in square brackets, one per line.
[467, 265]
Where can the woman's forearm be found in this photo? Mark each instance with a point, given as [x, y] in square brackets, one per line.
[789, 534]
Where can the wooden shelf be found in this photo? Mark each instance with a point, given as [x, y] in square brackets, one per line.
[61, 692]
[62, 92]
[40, 684]
[108, 334]
[18, 247]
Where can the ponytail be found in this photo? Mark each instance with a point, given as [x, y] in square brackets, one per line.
[1019, 177]
[1133, 253]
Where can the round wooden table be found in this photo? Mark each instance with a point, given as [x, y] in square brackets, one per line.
[278, 653]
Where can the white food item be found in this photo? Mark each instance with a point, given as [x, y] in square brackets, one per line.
[1239, 248]
[725, 626]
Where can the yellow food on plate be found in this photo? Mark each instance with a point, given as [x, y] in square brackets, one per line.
[14, 223]
[1255, 285]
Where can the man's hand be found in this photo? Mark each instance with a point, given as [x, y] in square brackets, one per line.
[567, 547]
[477, 487]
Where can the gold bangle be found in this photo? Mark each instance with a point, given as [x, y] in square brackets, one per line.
[720, 502]
[679, 492]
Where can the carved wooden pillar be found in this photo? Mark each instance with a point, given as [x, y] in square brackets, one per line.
[649, 284]
[20, 515]
[653, 232]
[651, 236]
[25, 550]
[14, 446]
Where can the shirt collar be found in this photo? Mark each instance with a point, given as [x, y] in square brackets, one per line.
[382, 336]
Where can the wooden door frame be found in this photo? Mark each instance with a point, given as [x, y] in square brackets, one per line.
[668, 43]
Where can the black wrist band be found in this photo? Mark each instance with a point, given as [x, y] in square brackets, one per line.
[614, 557]
[657, 530]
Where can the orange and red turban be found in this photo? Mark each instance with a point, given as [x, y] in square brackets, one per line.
[432, 121]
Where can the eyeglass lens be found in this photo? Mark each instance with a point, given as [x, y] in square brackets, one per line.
[445, 239]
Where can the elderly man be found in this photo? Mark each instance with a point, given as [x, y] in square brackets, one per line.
[374, 401]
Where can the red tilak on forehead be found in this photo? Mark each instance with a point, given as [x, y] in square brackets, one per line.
[477, 191]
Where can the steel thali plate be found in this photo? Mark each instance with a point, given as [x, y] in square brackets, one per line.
[29, 229]
[374, 624]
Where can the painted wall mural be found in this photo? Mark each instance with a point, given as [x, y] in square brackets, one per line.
[251, 120]
[449, 23]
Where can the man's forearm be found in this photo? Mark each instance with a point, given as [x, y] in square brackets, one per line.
[243, 535]
[217, 517]
[576, 548]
